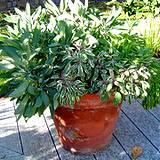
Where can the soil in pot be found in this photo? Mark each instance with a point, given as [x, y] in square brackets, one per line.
[88, 127]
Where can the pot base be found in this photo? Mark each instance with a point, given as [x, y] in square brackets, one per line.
[86, 151]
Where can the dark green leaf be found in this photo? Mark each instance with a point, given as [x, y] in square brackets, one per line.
[20, 90]
[45, 98]
[104, 97]
[38, 102]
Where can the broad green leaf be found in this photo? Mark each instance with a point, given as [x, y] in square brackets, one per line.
[12, 53]
[55, 104]
[45, 98]
[30, 111]
[21, 107]
[117, 98]
[104, 97]
[40, 110]
[38, 102]
[20, 90]
[31, 90]
[36, 38]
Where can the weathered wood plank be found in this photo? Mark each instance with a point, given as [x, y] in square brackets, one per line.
[156, 113]
[6, 154]
[64, 155]
[9, 136]
[113, 152]
[129, 136]
[144, 121]
[36, 139]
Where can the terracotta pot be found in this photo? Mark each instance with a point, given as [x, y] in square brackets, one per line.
[89, 126]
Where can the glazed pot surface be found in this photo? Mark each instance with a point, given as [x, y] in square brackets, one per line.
[88, 127]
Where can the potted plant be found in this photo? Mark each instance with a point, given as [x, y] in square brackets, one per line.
[79, 64]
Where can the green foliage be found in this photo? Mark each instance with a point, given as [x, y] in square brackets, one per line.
[150, 30]
[6, 83]
[4, 75]
[60, 54]
[153, 97]
[134, 8]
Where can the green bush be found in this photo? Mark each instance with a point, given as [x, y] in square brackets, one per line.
[60, 54]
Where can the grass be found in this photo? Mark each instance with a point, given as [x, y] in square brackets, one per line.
[150, 30]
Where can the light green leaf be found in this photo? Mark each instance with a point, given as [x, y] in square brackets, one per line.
[36, 14]
[28, 9]
[63, 5]
[21, 14]
[137, 91]
[52, 7]
[6, 65]
[117, 98]
[109, 87]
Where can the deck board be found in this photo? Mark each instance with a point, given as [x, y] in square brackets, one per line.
[146, 123]
[6, 154]
[129, 136]
[112, 152]
[36, 140]
[9, 137]
[156, 113]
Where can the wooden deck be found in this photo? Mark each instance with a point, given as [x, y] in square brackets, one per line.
[37, 139]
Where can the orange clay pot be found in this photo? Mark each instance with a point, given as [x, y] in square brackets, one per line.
[89, 126]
